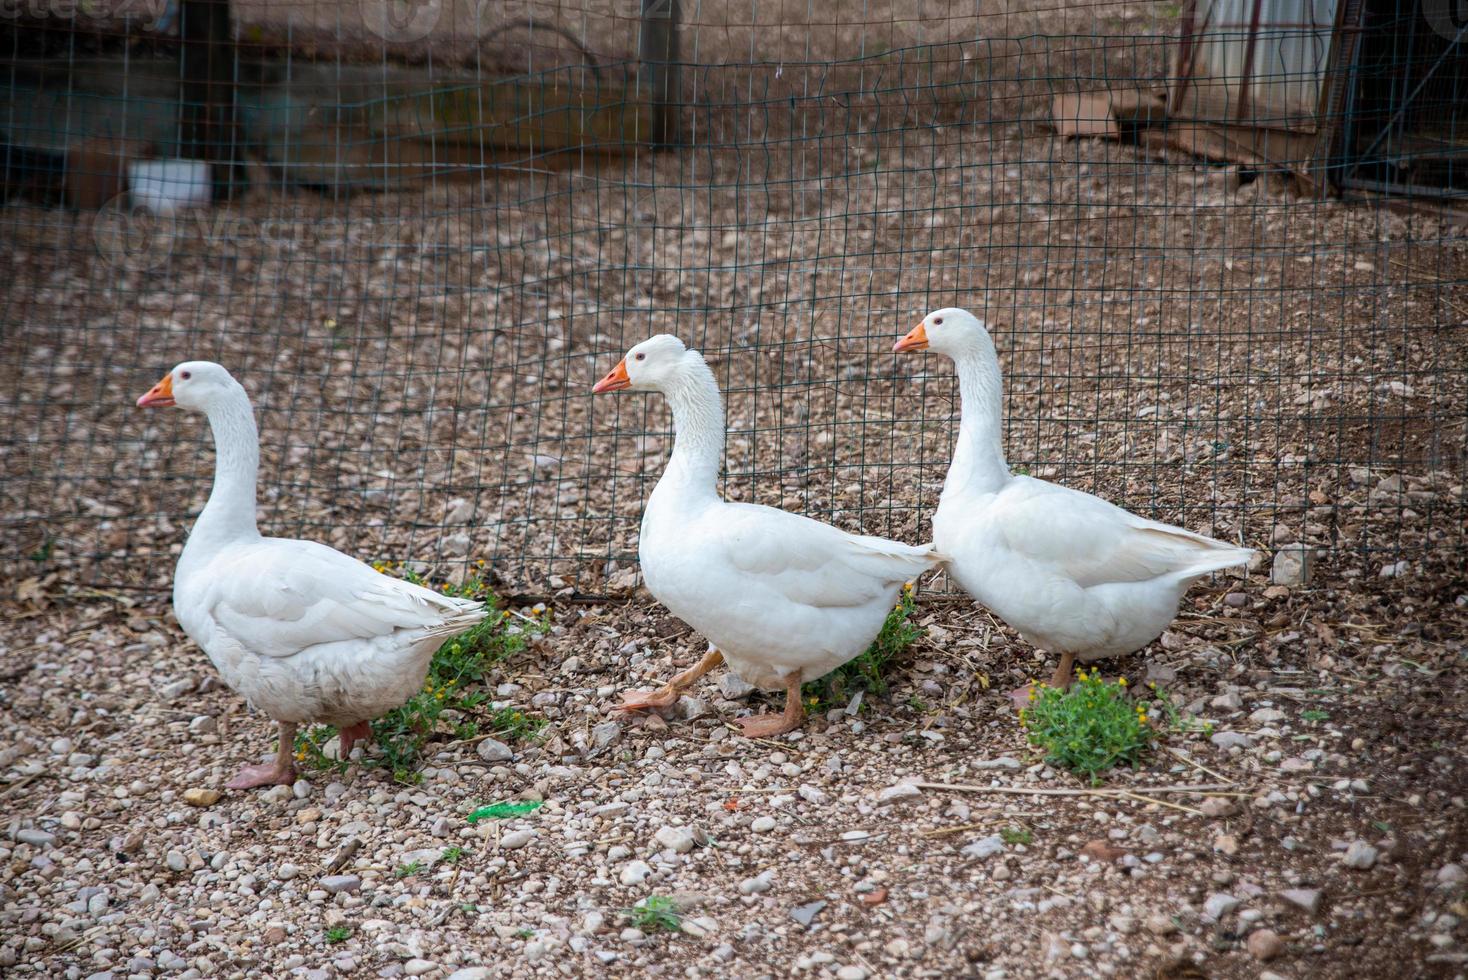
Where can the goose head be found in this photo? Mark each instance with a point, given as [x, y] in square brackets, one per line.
[195, 385]
[650, 366]
[948, 331]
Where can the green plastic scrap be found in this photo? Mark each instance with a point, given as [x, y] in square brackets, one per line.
[503, 811]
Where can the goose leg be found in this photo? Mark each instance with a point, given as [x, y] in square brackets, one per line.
[763, 726]
[1064, 671]
[280, 772]
[352, 734]
[669, 693]
[1020, 696]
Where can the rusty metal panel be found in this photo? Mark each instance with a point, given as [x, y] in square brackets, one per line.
[1258, 62]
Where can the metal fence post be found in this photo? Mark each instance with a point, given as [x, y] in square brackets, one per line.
[209, 123]
[657, 54]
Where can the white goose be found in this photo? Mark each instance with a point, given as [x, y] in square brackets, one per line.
[304, 632]
[1072, 573]
[785, 599]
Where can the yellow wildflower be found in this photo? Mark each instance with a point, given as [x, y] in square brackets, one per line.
[1121, 681]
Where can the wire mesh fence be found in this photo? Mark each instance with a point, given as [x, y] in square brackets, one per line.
[428, 229]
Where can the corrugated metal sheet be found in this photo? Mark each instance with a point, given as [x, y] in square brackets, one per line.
[1258, 62]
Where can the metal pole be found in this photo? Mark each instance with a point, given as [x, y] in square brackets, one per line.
[657, 53]
[209, 125]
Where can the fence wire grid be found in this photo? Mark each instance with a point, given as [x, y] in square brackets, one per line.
[418, 297]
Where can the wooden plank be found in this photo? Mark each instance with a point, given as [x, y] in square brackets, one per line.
[522, 113]
[1084, 114]
[1111, 115]
[361, 132]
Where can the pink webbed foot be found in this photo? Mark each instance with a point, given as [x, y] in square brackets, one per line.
[770, 725]
[265, 774]
[281, 772]
[767, 725]
[664, 697]
[668, 695]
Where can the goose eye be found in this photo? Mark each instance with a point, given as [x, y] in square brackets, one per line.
[186, 375]
[937, 321]
[642, 357]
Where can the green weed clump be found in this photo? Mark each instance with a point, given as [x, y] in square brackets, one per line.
[452, 686]
[867, 671]
[1090, 727]
[1016, 835]
[654, 913]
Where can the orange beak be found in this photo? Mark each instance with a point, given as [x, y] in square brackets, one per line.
[615, 380]
[916, 339]
[160, 395]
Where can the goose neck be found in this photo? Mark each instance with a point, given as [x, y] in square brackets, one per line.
[698, 425]
[978, 458]
[229, 514]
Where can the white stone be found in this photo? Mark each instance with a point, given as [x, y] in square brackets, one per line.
[699, 927]
[811, 794]
[1292, 566]
[1359, 855]
[759, 883]
[471, 973]
[635, 872]
[493, 750]
[1306, 898]
[1218, 905]
[895, 794]
[733, 687]
[984, 847]
[516, 839]
[678, 839]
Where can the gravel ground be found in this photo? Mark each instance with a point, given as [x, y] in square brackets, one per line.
[1225, 355]
[1331, 845]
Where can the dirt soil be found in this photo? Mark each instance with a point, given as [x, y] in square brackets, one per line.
[1195, 343]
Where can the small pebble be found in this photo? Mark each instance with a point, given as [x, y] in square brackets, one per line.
[1264, 944]
[198, 796]
[635, 872]
[1305, 898]
[1359, 855]
[336, 884]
